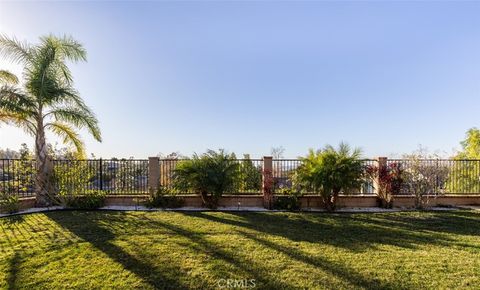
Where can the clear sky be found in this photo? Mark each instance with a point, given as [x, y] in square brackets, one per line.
[246, 76]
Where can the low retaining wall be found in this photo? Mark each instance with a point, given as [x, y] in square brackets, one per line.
[190, 200]
[315, 201]
[125, 200]
[443, 200]
[307, 201]
[26, 203]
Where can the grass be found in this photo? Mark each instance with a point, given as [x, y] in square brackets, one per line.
[124, 250]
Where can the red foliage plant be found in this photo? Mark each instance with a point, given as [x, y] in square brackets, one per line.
[268, 188]
[388, 182]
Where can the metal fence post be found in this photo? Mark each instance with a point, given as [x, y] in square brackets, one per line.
[267, 182]
[101, 174]
[153, 174]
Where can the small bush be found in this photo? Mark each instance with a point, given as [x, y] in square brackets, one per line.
[289, 200]
[164, 198]
[89, 200]
[9, 203]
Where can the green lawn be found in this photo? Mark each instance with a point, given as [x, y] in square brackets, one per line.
[74, 249]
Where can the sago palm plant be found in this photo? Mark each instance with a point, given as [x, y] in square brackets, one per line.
[45, 99]
[210, 175]
[330, 172]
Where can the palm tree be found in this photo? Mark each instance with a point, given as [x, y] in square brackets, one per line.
[331, 171]
[210, 175]
[45, 101]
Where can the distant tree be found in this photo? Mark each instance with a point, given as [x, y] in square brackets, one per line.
[8, 153]
[24, 152]
[46, 100]
[470, 145]
[464, 176]
[277, 152]
[173, 155]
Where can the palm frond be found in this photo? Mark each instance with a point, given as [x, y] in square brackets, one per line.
[68, 134]
[17, 51]
[8, 77]
[67, 96]
[18, 120]
[80, 118]
[15, 101]
[66, 47]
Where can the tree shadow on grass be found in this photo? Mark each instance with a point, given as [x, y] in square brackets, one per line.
[87, 228]
[458, 222]
[13, 266]
[14, 219]
[350, 231]
[355, 232]
[332, 267]
[251, 269]
[343, 272]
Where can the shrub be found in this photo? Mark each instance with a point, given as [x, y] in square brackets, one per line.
[288, 200]
[163, 198]
[463, 177]
[210, 175]
[9, 203]
[90, 200]
[330, 172]
[422, 179]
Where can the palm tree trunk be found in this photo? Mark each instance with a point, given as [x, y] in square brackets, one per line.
[44, 169]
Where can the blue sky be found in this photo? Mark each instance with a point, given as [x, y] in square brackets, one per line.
[246, 76]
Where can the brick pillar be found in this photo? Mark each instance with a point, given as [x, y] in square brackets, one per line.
[267, 182]
[153, 174]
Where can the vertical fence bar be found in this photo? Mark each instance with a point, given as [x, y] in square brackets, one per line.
[101, 174]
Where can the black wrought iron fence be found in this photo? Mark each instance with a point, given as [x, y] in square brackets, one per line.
[283, 171]
[438, 176]
[250, 176]
[112, 176]
[130, 176]
[17, 176]
[248, 181]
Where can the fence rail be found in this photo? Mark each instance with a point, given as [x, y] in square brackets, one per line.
[113, 176]
[439, 176]
[283, 170]
[249, 174]
[17, 177]
[129, 176]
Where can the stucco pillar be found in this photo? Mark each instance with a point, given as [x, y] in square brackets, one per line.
[267, 182]
[153, 174]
